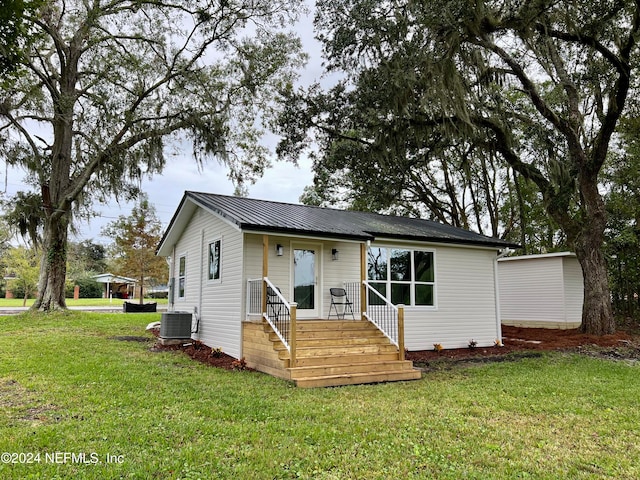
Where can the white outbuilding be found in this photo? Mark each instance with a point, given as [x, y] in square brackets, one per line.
[544, 290]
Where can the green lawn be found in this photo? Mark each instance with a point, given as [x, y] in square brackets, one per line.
[81, 302]
[69, 387]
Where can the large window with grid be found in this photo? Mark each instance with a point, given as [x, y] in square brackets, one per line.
[403, 276]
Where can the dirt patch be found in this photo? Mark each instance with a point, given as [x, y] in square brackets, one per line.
[624, 344]
[15, 400]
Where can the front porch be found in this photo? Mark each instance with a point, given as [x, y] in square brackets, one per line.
[327, 353]
[296, 330]
[366, 346]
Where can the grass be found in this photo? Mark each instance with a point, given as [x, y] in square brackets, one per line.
[69, 385]
[81, 302]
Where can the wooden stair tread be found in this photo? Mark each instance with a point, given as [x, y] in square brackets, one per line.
[340, 352]
[358, 378]
[303, 372]
[346, 359]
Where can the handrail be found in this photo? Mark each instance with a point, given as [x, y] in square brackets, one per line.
[281, 315]
[387, 317]
[276, 290]
[387, 302]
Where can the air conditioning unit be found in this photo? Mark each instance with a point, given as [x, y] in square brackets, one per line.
[175, 325]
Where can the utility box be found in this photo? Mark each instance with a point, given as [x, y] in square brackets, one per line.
[175, 326]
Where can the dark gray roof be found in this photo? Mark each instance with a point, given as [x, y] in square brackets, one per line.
[275, 217]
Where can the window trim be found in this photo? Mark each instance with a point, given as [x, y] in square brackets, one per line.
[209, 244]
[182, 276]
[388, 282]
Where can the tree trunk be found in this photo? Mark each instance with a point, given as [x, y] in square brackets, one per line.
[597, 313]
[53, 271]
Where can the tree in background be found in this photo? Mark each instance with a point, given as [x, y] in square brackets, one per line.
[5, 245]
[536, 86]
[104, 85]
[526, 221]
[86, 259]
[135, 239]
[622, 180]
[14, 32]
[22, 268]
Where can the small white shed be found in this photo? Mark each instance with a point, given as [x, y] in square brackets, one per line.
[541, 290]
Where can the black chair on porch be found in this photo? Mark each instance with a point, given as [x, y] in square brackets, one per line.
[340, 303]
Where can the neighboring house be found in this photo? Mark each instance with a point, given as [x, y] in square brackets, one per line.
[224, 251]
[116, 286]
[541, 290]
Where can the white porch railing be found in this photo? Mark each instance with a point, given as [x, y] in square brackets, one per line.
[279, 313]
[386, 316]
[254, 297]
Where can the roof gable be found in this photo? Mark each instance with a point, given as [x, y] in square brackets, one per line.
[285, 218]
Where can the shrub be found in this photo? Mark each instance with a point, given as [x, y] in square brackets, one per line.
[239, 364]
[217, 352]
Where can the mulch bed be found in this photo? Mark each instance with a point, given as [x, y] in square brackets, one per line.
[517, 343]
[518, 339]
[202, 353]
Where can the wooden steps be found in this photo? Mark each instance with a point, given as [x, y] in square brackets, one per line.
[335, 352]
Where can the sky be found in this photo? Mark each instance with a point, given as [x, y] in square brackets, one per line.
[282, 182]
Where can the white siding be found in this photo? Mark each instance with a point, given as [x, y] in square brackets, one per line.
[541, 290]
[465, 302]
[531, 290]
[338, 272]
[219, 301]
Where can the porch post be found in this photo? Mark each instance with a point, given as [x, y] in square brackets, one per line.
[363, 277]
[401, 331]
[265, 270]
[292, 336]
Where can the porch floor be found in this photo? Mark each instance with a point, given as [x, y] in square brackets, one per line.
[328, 353]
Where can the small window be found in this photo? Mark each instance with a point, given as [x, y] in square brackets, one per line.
[214, 260]
[182, 275]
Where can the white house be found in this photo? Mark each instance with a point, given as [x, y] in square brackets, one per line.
[541, 290]
[234, 260]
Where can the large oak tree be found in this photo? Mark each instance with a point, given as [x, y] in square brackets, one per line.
[105, 85]
[540, 83]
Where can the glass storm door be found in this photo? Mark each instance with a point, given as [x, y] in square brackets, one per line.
[305, 280]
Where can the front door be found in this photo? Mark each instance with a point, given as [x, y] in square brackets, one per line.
[306, 260]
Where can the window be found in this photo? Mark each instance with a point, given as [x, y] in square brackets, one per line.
[402, 275]
[214, 260]
[182, 267]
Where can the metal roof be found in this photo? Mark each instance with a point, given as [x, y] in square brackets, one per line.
[285, 218]
[538, 256]
[111, 278]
